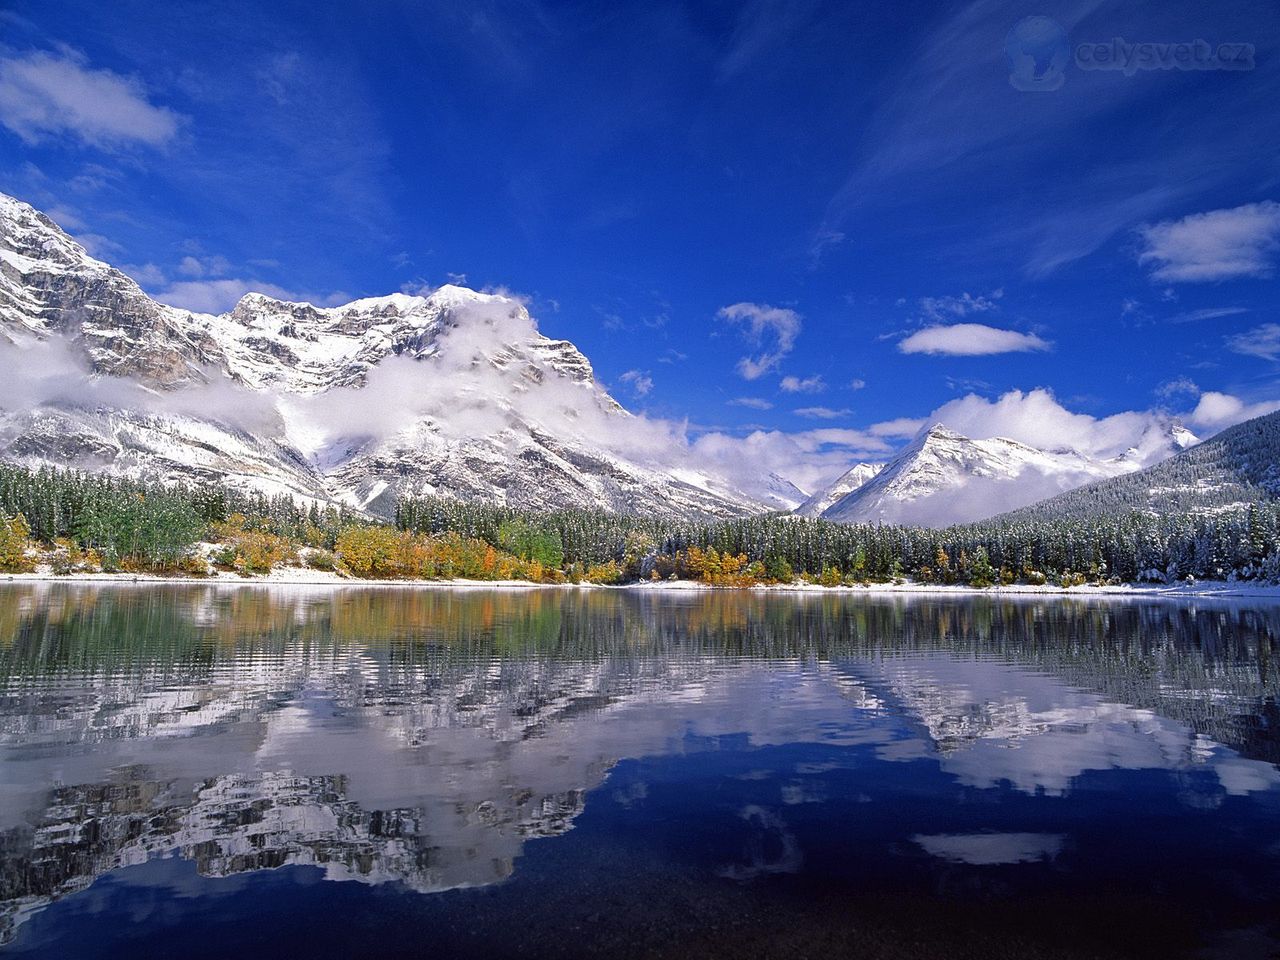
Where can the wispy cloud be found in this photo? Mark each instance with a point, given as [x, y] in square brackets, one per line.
[103, 248]
[1208, 313]
[940, 309]
[943, 107]
[45, 95]
[640, 381]
[1215, 245]
[822, 413]
[814, 384]
[1262, 341]
[1177, 387]
[761, 26]
[773, 329]
[1070, 228]
[898, 428]
[215, 266]
[752, 403]
[970, 340]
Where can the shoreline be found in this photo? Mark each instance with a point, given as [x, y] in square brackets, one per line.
[301, 577]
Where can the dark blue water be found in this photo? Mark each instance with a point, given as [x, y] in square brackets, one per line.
[213, 772]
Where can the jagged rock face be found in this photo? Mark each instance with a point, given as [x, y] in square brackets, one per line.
[50, 285]
[305, 349]
[942, 477]
[492, 410]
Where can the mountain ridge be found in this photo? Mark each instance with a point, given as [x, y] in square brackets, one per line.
[490, 408]
[454, 393]
[943, 477]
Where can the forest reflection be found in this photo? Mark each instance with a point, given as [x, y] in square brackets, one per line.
[423, 736]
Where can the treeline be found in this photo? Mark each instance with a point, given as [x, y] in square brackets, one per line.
[60, 503]
[95, 522]
[151, 525]
[1127, 546]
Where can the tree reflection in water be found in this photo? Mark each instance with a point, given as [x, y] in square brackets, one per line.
[423, 736]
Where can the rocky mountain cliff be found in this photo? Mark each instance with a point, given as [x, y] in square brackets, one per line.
[455, 393]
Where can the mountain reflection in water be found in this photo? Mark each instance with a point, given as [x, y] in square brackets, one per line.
[426, 737]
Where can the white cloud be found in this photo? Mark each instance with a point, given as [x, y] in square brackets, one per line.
[970, 340]
[814, 384]
[1176, 387]
[1217, 411]
[898, 428]
[857, 384]
[774, 329]
[66, 218]
[1263, 341]
[53, 372]
[641, 382]
[1216, 245]
[215, 266]
[218, 296]
[1036, 418]
[822, 413]
[45, 94]
[938, 309]
[146, 274]
[808, 458]
[754, 403]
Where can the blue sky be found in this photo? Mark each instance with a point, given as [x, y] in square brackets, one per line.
[773, 217]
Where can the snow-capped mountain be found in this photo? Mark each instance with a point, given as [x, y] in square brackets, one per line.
[942, 477]
[455, 393]
[849, 481]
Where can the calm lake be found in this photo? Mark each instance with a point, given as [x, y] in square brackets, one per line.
[205, 771]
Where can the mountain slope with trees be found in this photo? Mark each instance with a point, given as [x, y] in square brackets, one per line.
[1238, 467]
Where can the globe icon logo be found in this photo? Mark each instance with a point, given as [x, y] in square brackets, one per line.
[1038, 51]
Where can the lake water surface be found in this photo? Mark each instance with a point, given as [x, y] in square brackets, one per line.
[212, 771]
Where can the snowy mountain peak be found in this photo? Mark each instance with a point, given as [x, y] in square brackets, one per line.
[454, 393]
[943, 477]
[849, 481]
[935, 432]
[1181, 437]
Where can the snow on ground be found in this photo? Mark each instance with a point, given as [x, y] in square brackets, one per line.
[302, 576]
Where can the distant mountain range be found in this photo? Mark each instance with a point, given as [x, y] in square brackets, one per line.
[942, 477]
[455, 393]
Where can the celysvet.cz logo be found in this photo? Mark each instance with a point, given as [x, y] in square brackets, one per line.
[1039, 54]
